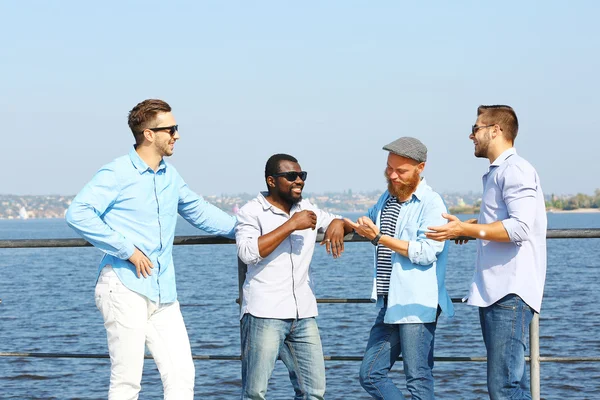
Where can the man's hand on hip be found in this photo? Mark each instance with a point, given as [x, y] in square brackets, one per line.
[142, 264]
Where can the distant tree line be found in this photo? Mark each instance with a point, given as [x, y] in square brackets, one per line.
[580, 200]
[553, 202]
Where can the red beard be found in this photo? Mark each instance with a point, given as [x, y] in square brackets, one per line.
[403, 190]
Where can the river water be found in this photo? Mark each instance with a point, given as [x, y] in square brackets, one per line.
[48, 307]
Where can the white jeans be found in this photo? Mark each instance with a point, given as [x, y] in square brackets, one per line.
[132, 321]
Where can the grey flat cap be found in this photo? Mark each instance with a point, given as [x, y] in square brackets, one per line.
[408, 147]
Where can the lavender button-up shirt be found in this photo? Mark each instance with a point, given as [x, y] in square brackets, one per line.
[279, 285]
[512, 193]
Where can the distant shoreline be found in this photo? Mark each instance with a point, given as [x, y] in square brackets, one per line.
[548, 210]
[462, 212]
[576, 211]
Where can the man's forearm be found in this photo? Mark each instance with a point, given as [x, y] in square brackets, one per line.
[396, 245]
[267, 243]
[494, 231]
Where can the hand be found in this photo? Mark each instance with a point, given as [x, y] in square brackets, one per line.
[451, 230]
[465, 241]
[303, 220]
[142, 264]
[334, 238]
[364, 227]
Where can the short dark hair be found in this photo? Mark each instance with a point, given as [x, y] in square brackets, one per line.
[504, 116]
[272, 166]
[143, 114]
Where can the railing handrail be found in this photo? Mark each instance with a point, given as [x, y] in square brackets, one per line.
[582, 233]
[326, 357]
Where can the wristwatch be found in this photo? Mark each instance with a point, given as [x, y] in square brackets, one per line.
[376, 238]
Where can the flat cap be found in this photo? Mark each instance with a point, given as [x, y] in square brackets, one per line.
[408, 147]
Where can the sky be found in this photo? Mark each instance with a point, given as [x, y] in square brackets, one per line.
[329, 82]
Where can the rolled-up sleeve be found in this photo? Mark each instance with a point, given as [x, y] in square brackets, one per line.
[424, 251]
[519, 190]
[203, 215]
[84, 214]
[247, 232]
[324, 219]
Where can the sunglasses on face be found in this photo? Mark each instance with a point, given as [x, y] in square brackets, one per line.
[171, 129]
[475, 128]
[291, 175]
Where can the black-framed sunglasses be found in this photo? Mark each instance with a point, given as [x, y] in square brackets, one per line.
[171, 129]
[475, 128]
[291, 175]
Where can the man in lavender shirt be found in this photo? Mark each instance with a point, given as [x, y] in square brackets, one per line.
[511, 250]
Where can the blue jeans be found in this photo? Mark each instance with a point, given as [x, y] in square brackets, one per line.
[386, 342]
[296, 341]
[504, 326]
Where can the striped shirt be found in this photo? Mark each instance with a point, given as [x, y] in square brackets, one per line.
[389, 218]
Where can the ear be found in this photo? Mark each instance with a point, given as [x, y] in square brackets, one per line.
[149, 135]
[496, 131]
[270, 181]
[421, 167]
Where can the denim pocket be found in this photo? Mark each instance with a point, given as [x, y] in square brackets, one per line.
[508, 302]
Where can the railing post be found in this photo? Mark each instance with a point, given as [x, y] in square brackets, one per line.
[534, 356]
[242, 269]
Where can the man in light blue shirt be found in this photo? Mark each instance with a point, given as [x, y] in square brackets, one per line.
[129, 211]
[408, 276]
[511, 250]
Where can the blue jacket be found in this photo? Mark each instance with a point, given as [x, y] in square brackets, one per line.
[417, 281]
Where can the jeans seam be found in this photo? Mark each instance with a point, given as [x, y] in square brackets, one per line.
[512, 341]
[296, 366]
[373, 362]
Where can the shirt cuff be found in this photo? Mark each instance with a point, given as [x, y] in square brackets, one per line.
[249, 253]
[511, 227]
[126, 252]
[415, 251]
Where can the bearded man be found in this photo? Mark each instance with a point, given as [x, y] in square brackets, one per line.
[408, 278]
[510, 272]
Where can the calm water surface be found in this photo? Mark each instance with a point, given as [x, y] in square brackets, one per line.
[48, 306]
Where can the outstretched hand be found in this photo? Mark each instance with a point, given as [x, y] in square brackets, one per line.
[364, 227]
[453, 229]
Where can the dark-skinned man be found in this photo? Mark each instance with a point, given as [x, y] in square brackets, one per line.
[276, 235]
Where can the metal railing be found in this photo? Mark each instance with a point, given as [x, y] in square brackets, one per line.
[535, 359]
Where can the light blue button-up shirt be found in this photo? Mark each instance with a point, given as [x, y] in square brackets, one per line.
[417, 282]
[512, 193]
[128, 205]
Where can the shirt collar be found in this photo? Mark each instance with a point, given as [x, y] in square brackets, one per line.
[262, 199]
[140, 164]
[420, 192]
[502, 157]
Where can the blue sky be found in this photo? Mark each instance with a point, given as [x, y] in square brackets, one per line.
[329, 82]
